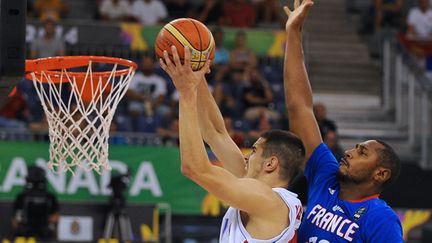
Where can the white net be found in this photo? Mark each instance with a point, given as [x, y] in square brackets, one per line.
[79, 111]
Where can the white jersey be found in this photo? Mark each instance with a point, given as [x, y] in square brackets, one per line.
[233, 231]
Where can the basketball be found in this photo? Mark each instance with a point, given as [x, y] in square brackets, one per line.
[186, 32]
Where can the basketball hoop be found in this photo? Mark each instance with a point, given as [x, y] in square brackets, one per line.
[79, 105]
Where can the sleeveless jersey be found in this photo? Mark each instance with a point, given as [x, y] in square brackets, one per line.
[233, 231]
[329, 219]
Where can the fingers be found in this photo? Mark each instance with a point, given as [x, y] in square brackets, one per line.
[163, 65]
[175, 56]
[206, 68]
[187, 56]
[167, 59]
[166, 63]
[307, 3]
[297, 3]
[287, 10]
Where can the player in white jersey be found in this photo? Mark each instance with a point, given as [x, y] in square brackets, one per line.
[233, 230]
[262, 210]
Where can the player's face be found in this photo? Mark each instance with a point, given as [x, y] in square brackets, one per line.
[255, 160]
[360, 162]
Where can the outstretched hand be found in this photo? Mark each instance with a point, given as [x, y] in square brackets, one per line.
[297, 16]
[182, 75]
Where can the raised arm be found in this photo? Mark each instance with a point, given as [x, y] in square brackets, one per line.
[298, 92]
[194, 161]
[215, 134]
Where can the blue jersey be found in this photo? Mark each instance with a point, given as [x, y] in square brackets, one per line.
[329, 219]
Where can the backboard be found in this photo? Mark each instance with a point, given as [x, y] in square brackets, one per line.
[12, 45]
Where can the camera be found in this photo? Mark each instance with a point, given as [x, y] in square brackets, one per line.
[36, 179]
[119, 184]
[118, 224]
[35, 208]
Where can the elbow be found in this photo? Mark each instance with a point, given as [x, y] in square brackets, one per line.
[210, 136]
[195, 171]
[292, 106]
[188, 171]
[296, 105]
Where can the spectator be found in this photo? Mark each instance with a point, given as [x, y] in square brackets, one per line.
[418, 39]
[54, 9]
[239, 13]
[325, 124]
[49, 45]
[168, 130]
[40, 129]
[241, 57]
[382, 13]
[228, 93]
[116, 138]
[237, 136]
[35, 209]
[179, 9]
[388, 13]
[262, 124]
[149, 12]
[147, 91]
[15, 112]
[222, 55]
[211, 12]
[268, 12]
[115, 10]
[419, 22]
[332, 141]
[30, 8]
[257, 97]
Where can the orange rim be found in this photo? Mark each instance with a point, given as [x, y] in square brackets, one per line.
[52, 66]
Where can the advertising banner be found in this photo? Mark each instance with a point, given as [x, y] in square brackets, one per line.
[155, 176]
[142, 38]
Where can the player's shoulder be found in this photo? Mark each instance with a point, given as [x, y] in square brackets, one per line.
[321, 153]
[231, 212]
[286, 194]
[321, 150]
[258, 186]
[382, 223]
[379, 210]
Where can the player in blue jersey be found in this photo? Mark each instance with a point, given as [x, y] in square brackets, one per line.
[343, 202]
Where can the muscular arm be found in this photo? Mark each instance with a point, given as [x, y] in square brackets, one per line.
[298, 92]
[214, 132]
[194, 161]
[218, 181]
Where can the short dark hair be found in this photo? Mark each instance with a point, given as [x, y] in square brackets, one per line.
[390, 160]
[288, 148]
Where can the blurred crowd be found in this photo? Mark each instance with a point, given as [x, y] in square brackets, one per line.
[237, 13]
[410, 21]
[249, 94]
